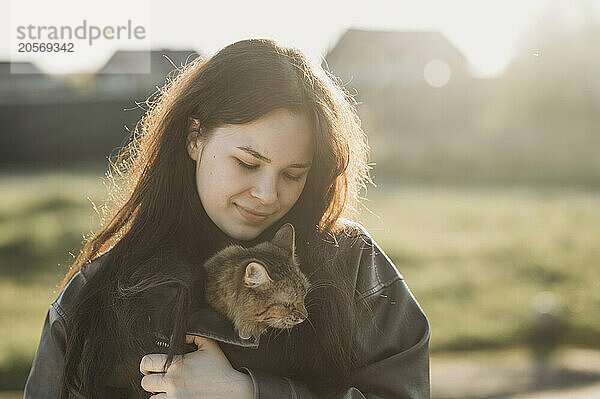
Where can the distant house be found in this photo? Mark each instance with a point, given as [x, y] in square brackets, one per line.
[368, 58]
[130, 71]
[412, 88]
[23, 81]
[7, 67]
[82, 122]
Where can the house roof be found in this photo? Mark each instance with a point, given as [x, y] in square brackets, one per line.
[140, 61]
[18, 67]
[414, 44]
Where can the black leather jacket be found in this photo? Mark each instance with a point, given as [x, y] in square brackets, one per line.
[395, 353]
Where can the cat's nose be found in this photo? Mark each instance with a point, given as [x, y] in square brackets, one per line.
[301, 312]
[297, 318]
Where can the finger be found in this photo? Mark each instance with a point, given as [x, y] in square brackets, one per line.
[201, 342]
[161, 395]
[152, 363]
[190, 339]
[154, 383]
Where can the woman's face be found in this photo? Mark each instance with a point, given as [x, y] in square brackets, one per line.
[256, 168]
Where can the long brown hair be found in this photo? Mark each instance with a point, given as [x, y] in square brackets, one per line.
[154, 221]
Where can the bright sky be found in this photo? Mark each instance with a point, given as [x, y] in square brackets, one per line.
[484, 30]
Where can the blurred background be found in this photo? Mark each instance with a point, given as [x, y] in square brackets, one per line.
[483, 119]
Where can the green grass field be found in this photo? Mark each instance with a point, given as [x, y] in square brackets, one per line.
[475, 258]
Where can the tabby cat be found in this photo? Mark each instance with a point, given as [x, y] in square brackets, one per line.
[258, 287]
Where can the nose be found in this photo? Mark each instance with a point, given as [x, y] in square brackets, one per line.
[265, 189]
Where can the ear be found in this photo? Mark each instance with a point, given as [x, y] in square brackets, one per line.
[193, 146]
[285, 238]
[256, 275]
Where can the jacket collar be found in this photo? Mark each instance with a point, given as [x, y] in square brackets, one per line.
[208, 323]
[203, 320]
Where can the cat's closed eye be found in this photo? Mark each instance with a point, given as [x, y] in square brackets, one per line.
[291, 307]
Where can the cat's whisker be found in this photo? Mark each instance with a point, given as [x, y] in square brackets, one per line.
[311, 324]
[315, 271]
[322, 284]
[318, 283]
[269, 334]
[309, 275]
[278, 332]
[310, 303]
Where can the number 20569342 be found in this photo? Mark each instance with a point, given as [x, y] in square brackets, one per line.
[46, 47]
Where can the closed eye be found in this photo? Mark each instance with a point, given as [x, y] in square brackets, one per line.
[291, 177]
[247, 166]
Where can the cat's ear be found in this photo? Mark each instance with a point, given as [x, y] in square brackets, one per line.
[285, 238]
[256, 275]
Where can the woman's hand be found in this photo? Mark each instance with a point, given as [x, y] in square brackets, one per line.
[203, 374]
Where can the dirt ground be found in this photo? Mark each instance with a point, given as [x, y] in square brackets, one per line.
[573, 374]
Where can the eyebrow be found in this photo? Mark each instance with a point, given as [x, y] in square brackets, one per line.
[256, 154]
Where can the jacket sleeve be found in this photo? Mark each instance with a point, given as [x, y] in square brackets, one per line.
[44, 379]
[395, 347]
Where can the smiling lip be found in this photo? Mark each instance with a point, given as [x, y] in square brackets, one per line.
[251, 216]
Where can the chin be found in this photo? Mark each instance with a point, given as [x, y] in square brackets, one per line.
[247, 233]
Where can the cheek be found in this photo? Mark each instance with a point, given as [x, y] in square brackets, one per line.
[216, 183]
[291, 195]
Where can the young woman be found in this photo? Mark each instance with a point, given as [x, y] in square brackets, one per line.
[234, 147]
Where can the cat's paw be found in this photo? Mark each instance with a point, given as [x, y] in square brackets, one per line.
[248, 331]
[245, 331]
